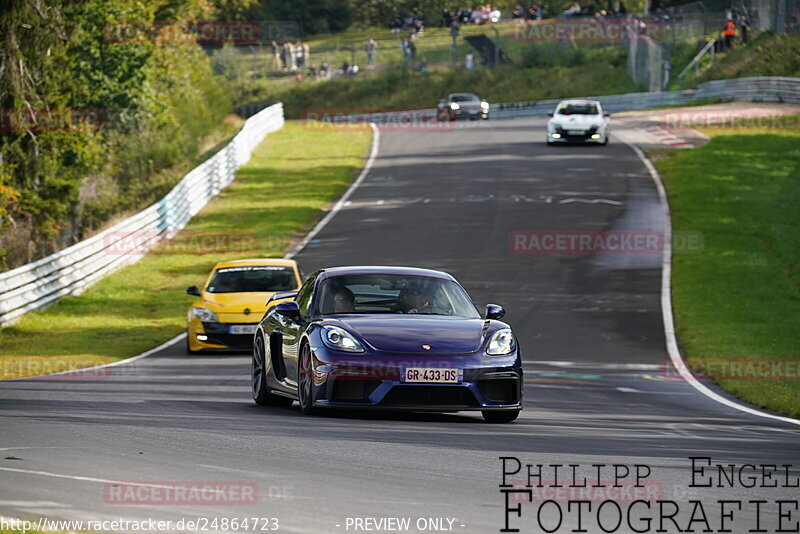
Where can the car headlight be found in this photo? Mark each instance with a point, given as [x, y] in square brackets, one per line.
[484, 105]
[205, 316]
[556, 126]
[502, 342]
[454, 105]
[338, 339]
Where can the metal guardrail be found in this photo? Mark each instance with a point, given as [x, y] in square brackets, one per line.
[707, 49]
[760, 89]
[73, 269]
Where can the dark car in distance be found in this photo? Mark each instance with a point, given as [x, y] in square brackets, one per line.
[462, 105]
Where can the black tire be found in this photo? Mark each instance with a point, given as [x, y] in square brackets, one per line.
[258, 377]
[506, 416]
[305, 380]
[188, 347]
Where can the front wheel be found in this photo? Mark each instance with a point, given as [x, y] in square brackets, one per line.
[305, 381]
[505, 416]
[258, 375]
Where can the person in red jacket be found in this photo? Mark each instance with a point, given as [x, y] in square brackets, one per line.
[729, 32]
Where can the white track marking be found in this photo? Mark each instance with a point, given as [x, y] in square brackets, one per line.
[590, 201]
[666, 306]
[100, 480]
[376, 137]
[82, 478]
[132, 359]
[589, 365]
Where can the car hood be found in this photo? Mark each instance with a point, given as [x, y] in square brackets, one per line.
[408, 333]
[470, 104]
[236, 302]
[582, 121]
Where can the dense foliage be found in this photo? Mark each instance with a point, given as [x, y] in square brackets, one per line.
[87, 121]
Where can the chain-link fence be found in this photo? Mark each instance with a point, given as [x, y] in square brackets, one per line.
[780, 16]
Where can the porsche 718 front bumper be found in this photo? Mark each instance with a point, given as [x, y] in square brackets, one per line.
[488, 383]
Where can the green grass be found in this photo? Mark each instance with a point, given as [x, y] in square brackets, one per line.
[284, 188]
[739, 300]
[766, 55]
[571, 73]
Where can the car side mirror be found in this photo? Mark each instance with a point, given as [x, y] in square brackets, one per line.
[494, 311]
[606, 114]
[550, 114]
[288, 309]
[193, 290]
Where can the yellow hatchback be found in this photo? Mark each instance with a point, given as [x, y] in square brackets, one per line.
[233, 300]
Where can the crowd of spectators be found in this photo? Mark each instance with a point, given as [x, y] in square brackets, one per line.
[588, 10]
[291, 57]
[485, 14]
[520, 14]
[414, 22]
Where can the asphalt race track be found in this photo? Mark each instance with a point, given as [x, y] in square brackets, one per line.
[599, 389]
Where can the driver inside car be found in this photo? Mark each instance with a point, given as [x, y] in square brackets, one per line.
[344, 301]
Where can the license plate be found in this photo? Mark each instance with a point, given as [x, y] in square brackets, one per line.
[574, 132]
[242, 329]
[434, 375]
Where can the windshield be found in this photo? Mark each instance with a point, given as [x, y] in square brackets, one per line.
[388, 293]
[252, 278]
[464, 98]
[577, 109]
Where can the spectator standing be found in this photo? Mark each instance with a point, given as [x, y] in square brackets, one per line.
[288, 51]
[412, 48]
[447, 18]
[454, 31]
[370, 49]
[276, 56]
[744, 27]
[284, 56]
[728, 33]
[300, 55]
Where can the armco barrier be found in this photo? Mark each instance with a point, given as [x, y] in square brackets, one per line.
[71, 270]
[761, 89]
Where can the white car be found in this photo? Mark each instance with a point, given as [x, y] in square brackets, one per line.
[581, 121]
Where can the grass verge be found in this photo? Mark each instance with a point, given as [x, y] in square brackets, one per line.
[766, 55]
[737, 304]
[284, 188]
[580, 72]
